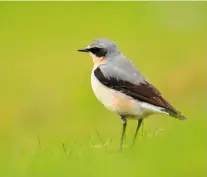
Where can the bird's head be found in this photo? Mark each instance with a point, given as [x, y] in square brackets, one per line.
[101, 48]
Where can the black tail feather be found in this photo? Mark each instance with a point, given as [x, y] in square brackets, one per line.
[176, 115]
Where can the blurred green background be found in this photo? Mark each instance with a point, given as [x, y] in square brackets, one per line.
[51, 123]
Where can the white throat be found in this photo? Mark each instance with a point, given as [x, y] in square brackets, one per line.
[97, 60]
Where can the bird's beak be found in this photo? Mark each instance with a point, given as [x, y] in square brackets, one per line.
[83, 50]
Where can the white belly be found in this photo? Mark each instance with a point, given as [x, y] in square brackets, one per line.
[121, 103]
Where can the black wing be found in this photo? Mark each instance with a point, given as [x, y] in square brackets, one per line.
[143, 91]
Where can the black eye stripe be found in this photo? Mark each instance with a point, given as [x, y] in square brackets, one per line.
[94, 50]
[99, 52]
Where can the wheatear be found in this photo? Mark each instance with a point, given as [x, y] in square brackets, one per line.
[121, 88]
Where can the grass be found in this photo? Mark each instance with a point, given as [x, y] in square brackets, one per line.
[51, 123]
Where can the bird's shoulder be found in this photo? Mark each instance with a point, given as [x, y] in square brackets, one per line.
[122, 69]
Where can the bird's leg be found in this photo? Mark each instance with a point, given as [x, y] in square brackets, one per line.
[124, 123]
[142, 128]
[137, 129]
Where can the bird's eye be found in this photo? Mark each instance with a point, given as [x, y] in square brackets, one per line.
[99, 52]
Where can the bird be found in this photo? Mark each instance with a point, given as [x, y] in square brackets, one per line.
[121, 87]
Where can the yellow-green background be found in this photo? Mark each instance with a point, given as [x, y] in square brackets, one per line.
[51, 123]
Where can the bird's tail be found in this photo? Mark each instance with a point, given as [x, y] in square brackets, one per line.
[176, 115]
